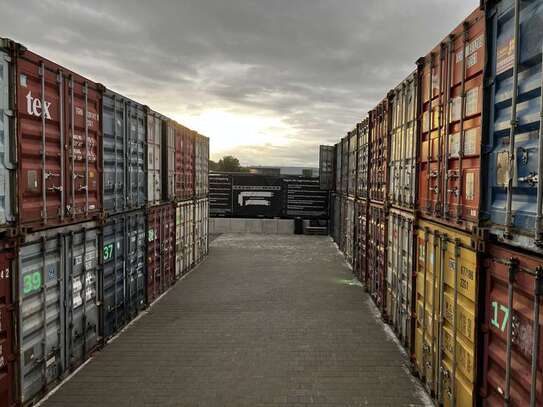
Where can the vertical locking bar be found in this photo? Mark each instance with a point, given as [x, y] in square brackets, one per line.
[115, 153]
[457, 252]
[437, 208]
[459, 205]
[535, 334]
[62, 150]
[429, 136]
[450, 56]
[514, 125]
[403, 154]
[437, 238]
[85, 120]
[539, 207]
[513, 268]
[43, 146]
[72, 138]
[424, 299]
[443, 252]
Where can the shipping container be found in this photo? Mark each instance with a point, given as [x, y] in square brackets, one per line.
[451, 126]
[184, 237]
[353, 163]
[7, 325]
[154, 157]
[58, 308]
[345, 165]
[171, 165]
[160, 250]
[447, 293]
[338, 165]
[326, 167]
[304, 198]
[184, 163]
[513, 347]
[380, 121]
[56, 127]
[336, 218]
[124, 126]
[347, 244]
[363, 157]
[201, 166]
[361, 238]
[377, 255]
[513, 165]
[257, 196]
[220, 195]
[122, 278]
[401, 275]
[201, 229]
[402, 165]
[189, 163]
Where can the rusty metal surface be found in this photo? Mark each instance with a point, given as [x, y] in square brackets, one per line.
[7, 348]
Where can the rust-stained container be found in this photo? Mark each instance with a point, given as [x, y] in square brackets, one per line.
[380, 121]
[353, 163]
[201, 166]
[7, 348]
[450, 136]
[160, 250]
[154, 157]
[345, 165]
[361, 239]
[376, 255]
[513, 347]
[402, 165]
[57, 125]
[447, 293]
[362, 157]
[401, 274]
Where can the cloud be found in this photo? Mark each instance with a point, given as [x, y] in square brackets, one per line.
[315, 66]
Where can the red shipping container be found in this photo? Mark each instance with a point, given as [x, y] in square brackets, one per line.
[513, 291]
[380, 122]
[451, 123]
[377, 254]
[59, 142]
[160, 250]
[180, 191]
[7, 357]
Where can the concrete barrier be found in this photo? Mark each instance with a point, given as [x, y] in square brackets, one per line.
[256, 226]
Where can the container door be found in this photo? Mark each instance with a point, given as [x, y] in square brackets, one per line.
[154, 242]
[136, 264]
[7, 350]
[179, 170]
[178, 241]
[206, 227]
[7, 146]
[114, 153]
[135, 148]
[154, 140]
[81, 277]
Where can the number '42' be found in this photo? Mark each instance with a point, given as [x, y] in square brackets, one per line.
[497, 307]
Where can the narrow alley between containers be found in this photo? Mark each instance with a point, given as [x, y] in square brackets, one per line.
[265, 320]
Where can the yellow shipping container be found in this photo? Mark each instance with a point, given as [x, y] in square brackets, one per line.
[446, 298]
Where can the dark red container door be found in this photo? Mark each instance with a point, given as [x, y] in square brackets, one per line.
[376, 259]
[178, 165]
[59, 144]
[503, 263]
[167, 223]
[380, 124]
[6, 332]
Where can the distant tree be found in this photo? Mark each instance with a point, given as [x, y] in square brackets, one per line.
[229, 164]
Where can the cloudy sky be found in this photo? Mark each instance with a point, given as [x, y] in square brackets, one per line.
[266, 80]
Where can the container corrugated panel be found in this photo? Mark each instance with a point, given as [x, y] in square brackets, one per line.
[450, 137]
[400, 274]
[512, 167]
[201, 164]
[345, 165]
[58, 310]
[184, 236]
[124, 138]
[220, 195]
[7, 345]
[363, 156]
[376, 254]
[447, 293]
[189, 164]
[353, 162]
[7, 147]
[336, 217]
[201, 229]
[361, 239]
[160, 250]
[122, 280]
[154, 157]
[326, 167]
[338, 167]
[169, 168]
[380, 118]
[58, 116]
[347, 229]
[402, 165]
[305, 198]
[521, 380]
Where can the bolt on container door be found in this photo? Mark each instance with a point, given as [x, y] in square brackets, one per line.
[363, 160]
[160, 250]
[345, 165]
[7, 146]
[380, 125]
[361, 238]
[59, 142]
[400, 272]
[154, 157]
[446, 304]
[168, 159]
[352, 176]
[58, 313]
[514, 188]
[326, 167]
[376, 254]
[450, 138]
[7, 350]
[513, 347]
[122, 281]
[403, 144]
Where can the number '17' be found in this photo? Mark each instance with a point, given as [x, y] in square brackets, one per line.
[505, 310]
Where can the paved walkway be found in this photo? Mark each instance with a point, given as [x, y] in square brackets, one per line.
[265, 321]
